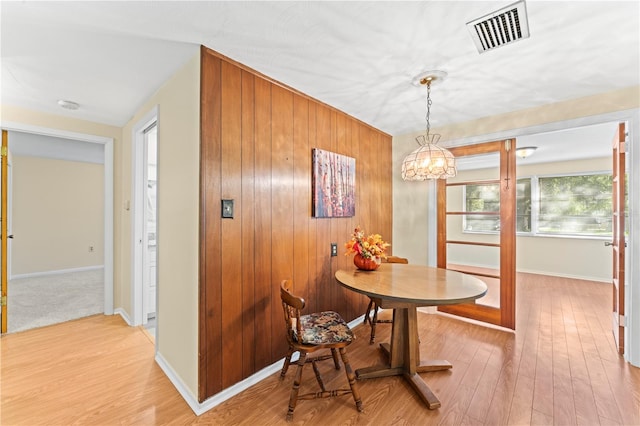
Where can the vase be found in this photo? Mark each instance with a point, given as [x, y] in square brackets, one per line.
[365, 264]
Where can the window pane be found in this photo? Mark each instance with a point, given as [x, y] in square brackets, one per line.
[578, 205]
[486, 198]
[523, 205]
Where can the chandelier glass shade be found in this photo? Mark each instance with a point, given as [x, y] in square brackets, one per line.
[428, 161]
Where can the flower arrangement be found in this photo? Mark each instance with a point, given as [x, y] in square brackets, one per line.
[371, 247]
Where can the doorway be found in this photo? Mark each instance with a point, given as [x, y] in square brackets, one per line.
[105, 147]
[526, 137]
[145, 235]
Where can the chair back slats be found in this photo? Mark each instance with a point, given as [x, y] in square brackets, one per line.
[291, 305]
[396, 259]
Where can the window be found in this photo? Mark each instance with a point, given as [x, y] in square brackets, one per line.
[576, 205]
[485, 198]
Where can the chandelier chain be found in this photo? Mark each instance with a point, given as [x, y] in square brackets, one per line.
[428, 107]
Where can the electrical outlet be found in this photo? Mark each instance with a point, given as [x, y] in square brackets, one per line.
[90, 248]
[334, 249]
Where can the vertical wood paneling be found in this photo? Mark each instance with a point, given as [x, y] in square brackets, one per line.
[340, 232]
[364, 181]
[231, 127]
[210, 315]
[257, 137]
[302, 191]
[248, 224]
[312, 302]
[262, 233]
[324, 278]
[357, 301]
[281, 207]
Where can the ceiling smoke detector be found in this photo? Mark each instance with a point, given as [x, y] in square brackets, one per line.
[502, 27]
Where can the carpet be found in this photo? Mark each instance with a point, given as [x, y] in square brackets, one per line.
[51, 299]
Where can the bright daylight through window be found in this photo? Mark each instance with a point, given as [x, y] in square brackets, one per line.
[569, 205]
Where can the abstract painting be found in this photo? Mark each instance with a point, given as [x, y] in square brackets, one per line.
[334, 184]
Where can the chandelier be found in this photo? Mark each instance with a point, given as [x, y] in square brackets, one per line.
[429, 161]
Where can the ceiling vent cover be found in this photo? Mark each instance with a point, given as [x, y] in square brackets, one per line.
[502, 27]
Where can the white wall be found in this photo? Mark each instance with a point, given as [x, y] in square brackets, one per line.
[178, 102]
[57, 215]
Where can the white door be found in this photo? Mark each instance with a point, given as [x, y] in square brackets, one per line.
[4, 230]
[150, 214]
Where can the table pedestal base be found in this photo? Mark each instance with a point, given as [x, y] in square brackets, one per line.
[402, 363]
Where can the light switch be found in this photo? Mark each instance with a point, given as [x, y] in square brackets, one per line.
[227, 209]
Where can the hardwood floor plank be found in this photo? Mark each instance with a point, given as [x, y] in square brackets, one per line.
[604, 397]
[521, 408]
[585, 404]
[479, 405]
[619, 375]
[564, 411]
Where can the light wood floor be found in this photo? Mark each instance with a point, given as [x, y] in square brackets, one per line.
[559, 368]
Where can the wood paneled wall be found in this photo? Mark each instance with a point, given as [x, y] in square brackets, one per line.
[256, 141]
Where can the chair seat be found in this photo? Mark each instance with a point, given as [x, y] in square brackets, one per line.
[324, 328]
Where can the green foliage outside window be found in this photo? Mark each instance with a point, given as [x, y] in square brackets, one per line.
[575, 205]
[486, 198]
[565, 205]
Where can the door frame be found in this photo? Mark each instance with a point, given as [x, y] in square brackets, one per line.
[619, 144]
[632, 117]
[138, 173]
[505, 314]
[107, 144]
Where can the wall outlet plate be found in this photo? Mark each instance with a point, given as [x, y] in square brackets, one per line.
[334, 249]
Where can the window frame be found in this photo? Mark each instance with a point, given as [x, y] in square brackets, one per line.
[535, 208]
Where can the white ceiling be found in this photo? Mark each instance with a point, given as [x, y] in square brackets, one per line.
[359, 57]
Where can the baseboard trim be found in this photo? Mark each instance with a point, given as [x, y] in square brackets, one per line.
[548, 273]
[56, 272]
[200, 408]
[570, 276]
[123, 314]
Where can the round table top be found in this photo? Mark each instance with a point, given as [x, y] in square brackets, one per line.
[415, 284]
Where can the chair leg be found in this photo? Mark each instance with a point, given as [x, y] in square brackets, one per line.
[336, 360]
[293, 398]
[373, 322]
[318, 376]
[287, 361]
[366, 315]
[351, 377]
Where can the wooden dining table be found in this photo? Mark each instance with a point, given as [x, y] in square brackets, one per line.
[404, 288]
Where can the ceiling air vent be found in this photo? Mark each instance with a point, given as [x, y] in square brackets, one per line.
[500, 28]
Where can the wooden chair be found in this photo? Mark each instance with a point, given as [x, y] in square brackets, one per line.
[310, 333]
[374, 304]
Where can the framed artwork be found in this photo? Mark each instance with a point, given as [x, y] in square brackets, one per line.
[334, 184]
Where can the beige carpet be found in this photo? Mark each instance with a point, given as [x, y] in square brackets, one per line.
[51, 299]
